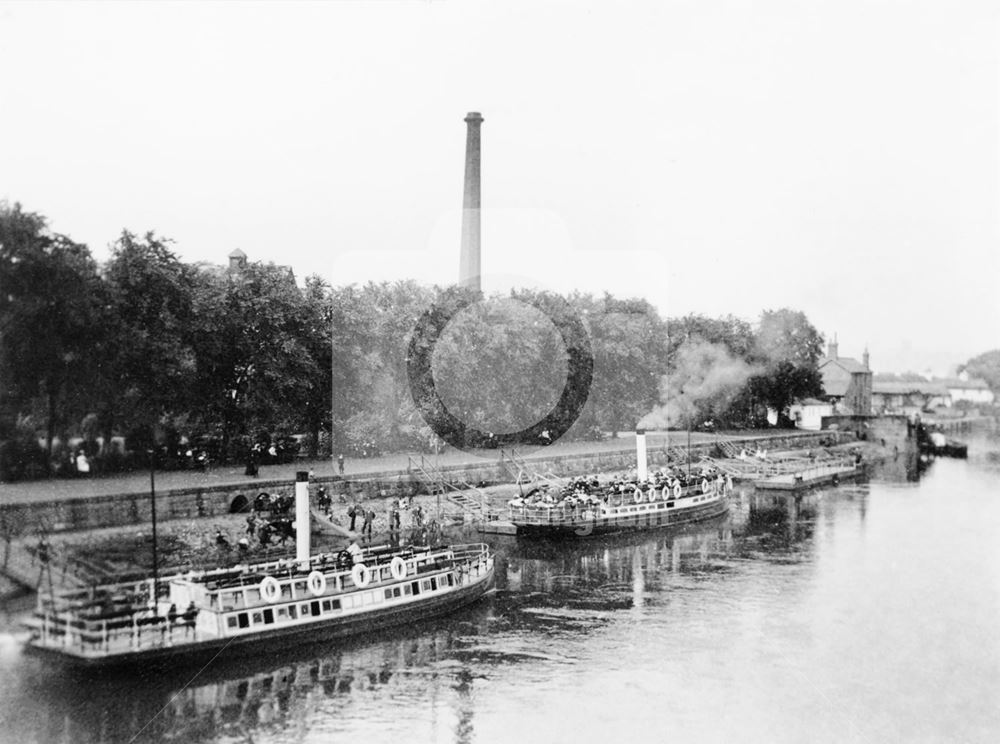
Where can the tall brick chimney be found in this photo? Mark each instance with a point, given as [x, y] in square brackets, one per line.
[469, 260]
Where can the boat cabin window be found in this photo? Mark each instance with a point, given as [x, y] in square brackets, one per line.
[268, 615]
[451, 580]
[282, 614]
[416, 588]
[258, 618]
[407, 589]
[426, 585]
[329, 605]
[314, 606]
[293, 612]
[244, 620]
[304, 609]
[231, 621]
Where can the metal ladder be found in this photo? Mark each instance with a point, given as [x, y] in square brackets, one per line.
[456, 491]
[515, 465]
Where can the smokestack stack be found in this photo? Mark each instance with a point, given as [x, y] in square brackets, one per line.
[469, 260]
[640, 454]
[302, 536]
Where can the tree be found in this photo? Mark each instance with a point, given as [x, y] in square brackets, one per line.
[150, 362]
[50, 319]
[735, 334]
[788, 348]
[254, 366]
[631, 354]
[985, 366]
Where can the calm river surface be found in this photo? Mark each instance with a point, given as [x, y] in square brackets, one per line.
[870, 613]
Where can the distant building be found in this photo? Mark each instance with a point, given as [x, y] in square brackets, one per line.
[973, 390]
[847, 383]
[237, 261]
[889, 397]
[809, 413]
[237, 265]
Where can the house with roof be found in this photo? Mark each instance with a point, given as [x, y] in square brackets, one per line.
[974, 390]
[907, 397]
[847, 383]
[808, 413]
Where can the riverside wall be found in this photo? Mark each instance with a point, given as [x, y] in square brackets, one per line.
[211, 501]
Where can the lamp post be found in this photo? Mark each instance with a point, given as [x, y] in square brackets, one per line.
[152, 500]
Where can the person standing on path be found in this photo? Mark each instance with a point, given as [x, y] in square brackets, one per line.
[340, 463]
[366, 528]
[352, 512]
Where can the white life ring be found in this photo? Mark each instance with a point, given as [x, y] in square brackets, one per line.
[270, 589]
[398, 567]
[704, 485]
[361, 575]
[316, 583]
[637, 495]
[677, 490]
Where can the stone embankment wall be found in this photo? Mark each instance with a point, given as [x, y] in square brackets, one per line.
[207, 502]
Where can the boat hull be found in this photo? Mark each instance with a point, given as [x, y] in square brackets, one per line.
[328, 629]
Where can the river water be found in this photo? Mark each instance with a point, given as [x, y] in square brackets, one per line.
[865, 613]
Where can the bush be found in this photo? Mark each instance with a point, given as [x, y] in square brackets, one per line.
[21, 458]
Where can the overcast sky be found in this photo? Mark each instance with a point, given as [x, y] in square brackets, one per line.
[839, 157]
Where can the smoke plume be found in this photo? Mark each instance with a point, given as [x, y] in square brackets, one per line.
[705, 377]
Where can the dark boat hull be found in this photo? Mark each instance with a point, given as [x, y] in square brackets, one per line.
[333, 628]
[623, 523]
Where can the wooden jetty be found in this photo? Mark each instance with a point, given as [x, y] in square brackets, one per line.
[810, 477]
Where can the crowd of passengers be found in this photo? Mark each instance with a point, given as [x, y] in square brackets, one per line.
[586, 491]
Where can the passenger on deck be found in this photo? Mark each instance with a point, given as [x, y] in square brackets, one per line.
[355, 550]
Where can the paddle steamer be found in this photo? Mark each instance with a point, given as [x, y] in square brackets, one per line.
[622, 508]
[293, 600]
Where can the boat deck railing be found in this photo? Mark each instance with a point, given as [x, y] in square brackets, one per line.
[561, 513]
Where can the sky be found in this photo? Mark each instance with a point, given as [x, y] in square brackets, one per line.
[713, 157]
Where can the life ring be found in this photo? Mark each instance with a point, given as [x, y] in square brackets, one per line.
[316, 583]
[398, 567]
[270, 589]
[637, 495]
[361, 575]
[704, 485]
[677, 490]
